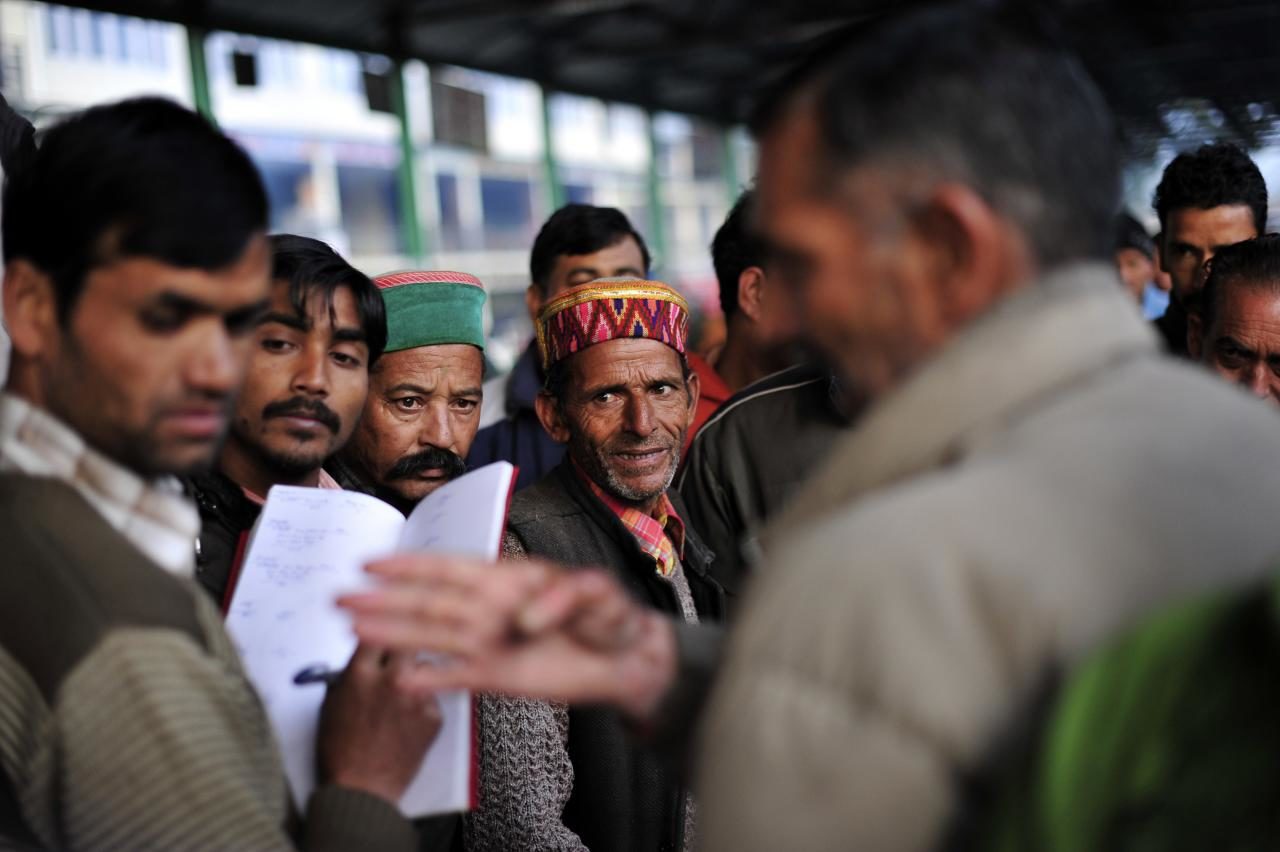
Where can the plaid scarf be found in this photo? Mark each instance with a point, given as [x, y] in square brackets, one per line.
[660, 535]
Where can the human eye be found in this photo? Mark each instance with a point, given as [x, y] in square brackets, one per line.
[276, 344]
[164, 319]
[407, 403]
[347, 359]
[1230, 355]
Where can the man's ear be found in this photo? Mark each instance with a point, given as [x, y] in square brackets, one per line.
[550, 417]
[694, 385]
[30, 309]
[751, 293]
[969, 247]
[1195, 335]
[533, 299]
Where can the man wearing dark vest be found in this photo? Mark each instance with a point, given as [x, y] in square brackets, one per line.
[136, 266]
[621, 396]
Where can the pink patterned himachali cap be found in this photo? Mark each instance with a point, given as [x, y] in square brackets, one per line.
[611, 309]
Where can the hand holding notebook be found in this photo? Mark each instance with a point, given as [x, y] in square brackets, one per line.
[309, 546]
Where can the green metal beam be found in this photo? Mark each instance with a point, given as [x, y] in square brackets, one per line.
[550, 166]
[198, 63]
[657, 220]
[411, 229]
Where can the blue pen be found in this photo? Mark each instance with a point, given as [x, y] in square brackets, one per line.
[317, 673]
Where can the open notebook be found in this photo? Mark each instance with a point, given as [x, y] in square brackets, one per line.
[309, 546]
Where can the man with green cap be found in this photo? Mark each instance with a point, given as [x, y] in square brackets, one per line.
[423, 408]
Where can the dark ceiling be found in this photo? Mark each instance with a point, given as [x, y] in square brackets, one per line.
[1168, 68]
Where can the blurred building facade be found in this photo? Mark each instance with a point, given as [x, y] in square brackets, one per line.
[491, 156]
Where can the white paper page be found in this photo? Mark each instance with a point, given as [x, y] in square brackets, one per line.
[309, 546]
[463, 518]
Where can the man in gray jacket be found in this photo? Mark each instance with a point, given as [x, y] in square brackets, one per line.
[938, 197]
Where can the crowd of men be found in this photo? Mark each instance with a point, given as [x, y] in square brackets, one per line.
[885, 570]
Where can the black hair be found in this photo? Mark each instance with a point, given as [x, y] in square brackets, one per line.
[579, 229]
[983, 93]
[143, 177]
[1251, 263]
[1212, 176]
[736, 247]
[1129, 234]
[312, 267]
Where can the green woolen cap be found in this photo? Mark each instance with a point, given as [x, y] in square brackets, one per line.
[427, 308]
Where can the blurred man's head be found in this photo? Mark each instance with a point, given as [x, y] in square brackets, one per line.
[423, 408]
[919, 174]
[136, 267]
[753, 310]
[619, 391]
[1237, 331]
[309, 368]
[581, 243]
[1134, 255]
[1208, 198]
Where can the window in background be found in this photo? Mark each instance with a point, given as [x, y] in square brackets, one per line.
[450, 236]
[578, 193]
[370, 209]
[98, 36]
[288, 185]
[507, 207]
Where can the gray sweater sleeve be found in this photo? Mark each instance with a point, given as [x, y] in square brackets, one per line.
[525, 778]
[525, 774]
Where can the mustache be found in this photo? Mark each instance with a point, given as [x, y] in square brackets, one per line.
[300, 406]
[432, 458]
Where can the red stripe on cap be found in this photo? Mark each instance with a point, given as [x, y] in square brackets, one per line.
[397, 279]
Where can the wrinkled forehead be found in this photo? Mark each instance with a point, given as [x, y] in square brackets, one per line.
[1245, 301]
[444, 366]
[623, 361]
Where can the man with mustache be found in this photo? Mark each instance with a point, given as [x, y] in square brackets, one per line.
[621, 395]
[423, 407]
[306, 384]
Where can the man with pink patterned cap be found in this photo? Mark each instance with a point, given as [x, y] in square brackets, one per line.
[423, 408]
[619, 393]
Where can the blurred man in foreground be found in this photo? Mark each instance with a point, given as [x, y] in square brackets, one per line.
[1207, 199]
[302, 397]
[577, 244]
[136, 268]
[938, 197]
[423, 407]
[1237, 330]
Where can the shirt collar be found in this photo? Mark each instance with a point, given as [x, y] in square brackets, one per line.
[325, 481]
[1028, 345]
[152, 514]
[648, 529]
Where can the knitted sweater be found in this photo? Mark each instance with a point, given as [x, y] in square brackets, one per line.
[126, 721]
[526, 777]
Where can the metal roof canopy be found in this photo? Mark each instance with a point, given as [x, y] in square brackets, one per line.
[710, 58]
